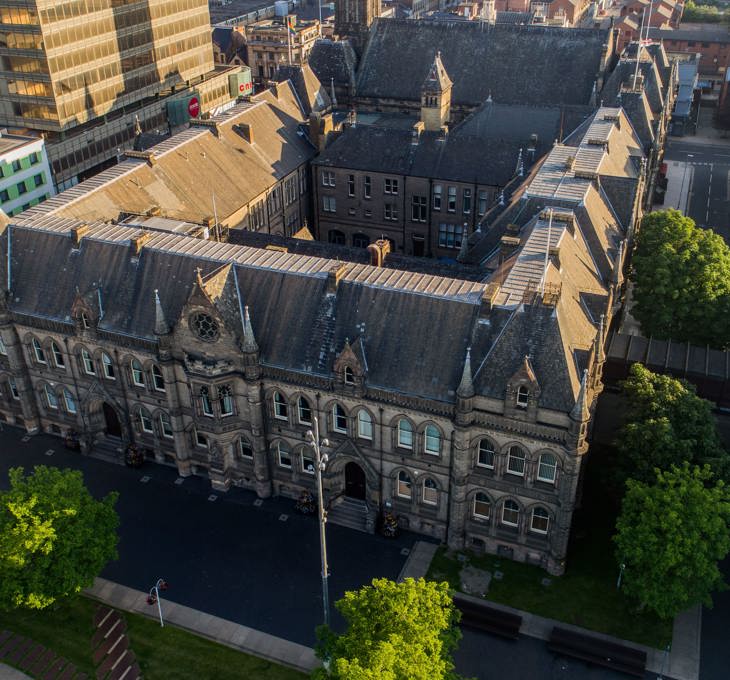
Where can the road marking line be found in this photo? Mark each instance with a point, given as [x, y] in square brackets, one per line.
[50, 452]
[283, 517]
[145, 479]
[258, 502]
[25, 439]
[212, 497]
[179, 480]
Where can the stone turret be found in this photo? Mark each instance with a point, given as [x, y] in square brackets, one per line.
[436, 97]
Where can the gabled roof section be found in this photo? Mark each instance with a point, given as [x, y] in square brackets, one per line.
[211, 161]
[517, 64]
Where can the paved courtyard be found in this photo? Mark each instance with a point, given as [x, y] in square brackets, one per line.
[229, 557]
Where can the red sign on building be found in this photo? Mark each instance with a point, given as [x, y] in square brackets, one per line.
[194, 107]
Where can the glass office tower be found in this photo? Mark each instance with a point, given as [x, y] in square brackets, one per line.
[63, 63]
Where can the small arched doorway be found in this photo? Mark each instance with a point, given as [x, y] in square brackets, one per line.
[354, 481]
[112, 425]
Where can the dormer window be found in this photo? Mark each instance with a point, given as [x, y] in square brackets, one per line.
[349, 376]
[85, 323]
[522, 396]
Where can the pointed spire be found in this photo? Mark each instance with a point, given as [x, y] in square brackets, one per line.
[464, 248]
[502, 201]
[466, 386]
[580, 411]
[616, 273]
[599, 353]
[137, 126]
[520, 169]
[161, 327]
[249, 340]
[333, 96]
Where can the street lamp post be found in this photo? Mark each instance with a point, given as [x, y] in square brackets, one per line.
[320, 462]
[154, 597]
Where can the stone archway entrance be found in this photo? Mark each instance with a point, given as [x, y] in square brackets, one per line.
[355, 485]
[112, 426]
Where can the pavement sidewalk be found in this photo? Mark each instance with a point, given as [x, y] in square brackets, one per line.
[205, 625]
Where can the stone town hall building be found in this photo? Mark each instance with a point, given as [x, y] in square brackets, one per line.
[462, 405]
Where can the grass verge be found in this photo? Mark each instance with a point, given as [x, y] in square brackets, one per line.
[162, 653]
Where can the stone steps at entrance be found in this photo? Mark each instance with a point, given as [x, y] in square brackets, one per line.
[354, 514]
[109, 448]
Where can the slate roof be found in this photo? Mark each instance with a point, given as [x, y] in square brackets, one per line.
[192, 167]
[516, 64]
[483, 148]
[706, 32]
[509, 17]
[312, 94]
[333, 60]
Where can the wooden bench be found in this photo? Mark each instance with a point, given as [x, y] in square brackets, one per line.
[482, 616]
[597, 651]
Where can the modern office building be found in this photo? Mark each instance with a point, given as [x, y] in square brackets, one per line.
[25, 176]
[79, 67]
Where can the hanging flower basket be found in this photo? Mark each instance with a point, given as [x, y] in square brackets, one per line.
[133, 457]
[152, 599]
[306, 504]
[71, 440]
[389, 527]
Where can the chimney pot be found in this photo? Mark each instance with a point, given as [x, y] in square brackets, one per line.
[335, 273]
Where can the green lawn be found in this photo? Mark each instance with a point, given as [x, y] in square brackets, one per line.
[586, 595]
[163, 653]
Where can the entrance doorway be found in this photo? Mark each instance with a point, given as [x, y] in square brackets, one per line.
[354, 481]
[113, 427]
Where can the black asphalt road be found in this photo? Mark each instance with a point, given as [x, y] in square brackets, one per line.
[241, 562]
[709, 201]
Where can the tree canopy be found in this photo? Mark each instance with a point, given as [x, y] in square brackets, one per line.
[54, 537]
[395, 631]
[671, 535]
[681, 277]
[667, 424]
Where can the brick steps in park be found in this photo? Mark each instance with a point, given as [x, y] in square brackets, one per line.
[35, 660]
[110, 645]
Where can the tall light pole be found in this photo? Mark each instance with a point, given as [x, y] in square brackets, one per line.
[320, 462]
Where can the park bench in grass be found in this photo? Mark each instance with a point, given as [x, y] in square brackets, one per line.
[481, 616]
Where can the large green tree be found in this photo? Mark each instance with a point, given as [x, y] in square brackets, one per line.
[666, 423]
[670, 536]
[54, 537]
[681, 277]
[395, 631]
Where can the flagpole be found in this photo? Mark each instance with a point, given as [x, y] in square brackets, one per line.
[288, 36]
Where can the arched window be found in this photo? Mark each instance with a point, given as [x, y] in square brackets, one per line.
[404, 485]
[307, 462]
[523, 395]
[432, 440]
[225, 400]
[157, 380]
[305, 411]
[145, 421]
[281, 408]
[485, 457]
[206, 404]
[405, 434]
[245, 449]
[106, 362]
[3, 349]
[87, 362]
[137, 373]
[516, 461]
[430, 492]
[51, 398]
[283, 455]
[13, 389]
[540, 520]
[364, 425]
[360, 240]
[165, 425]
[69, 401]
[40, 355]
[349, 376]
[339, 419]
[510, 513]
[58, 356]
[547, 468]
[335, 235]
[482, 506]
